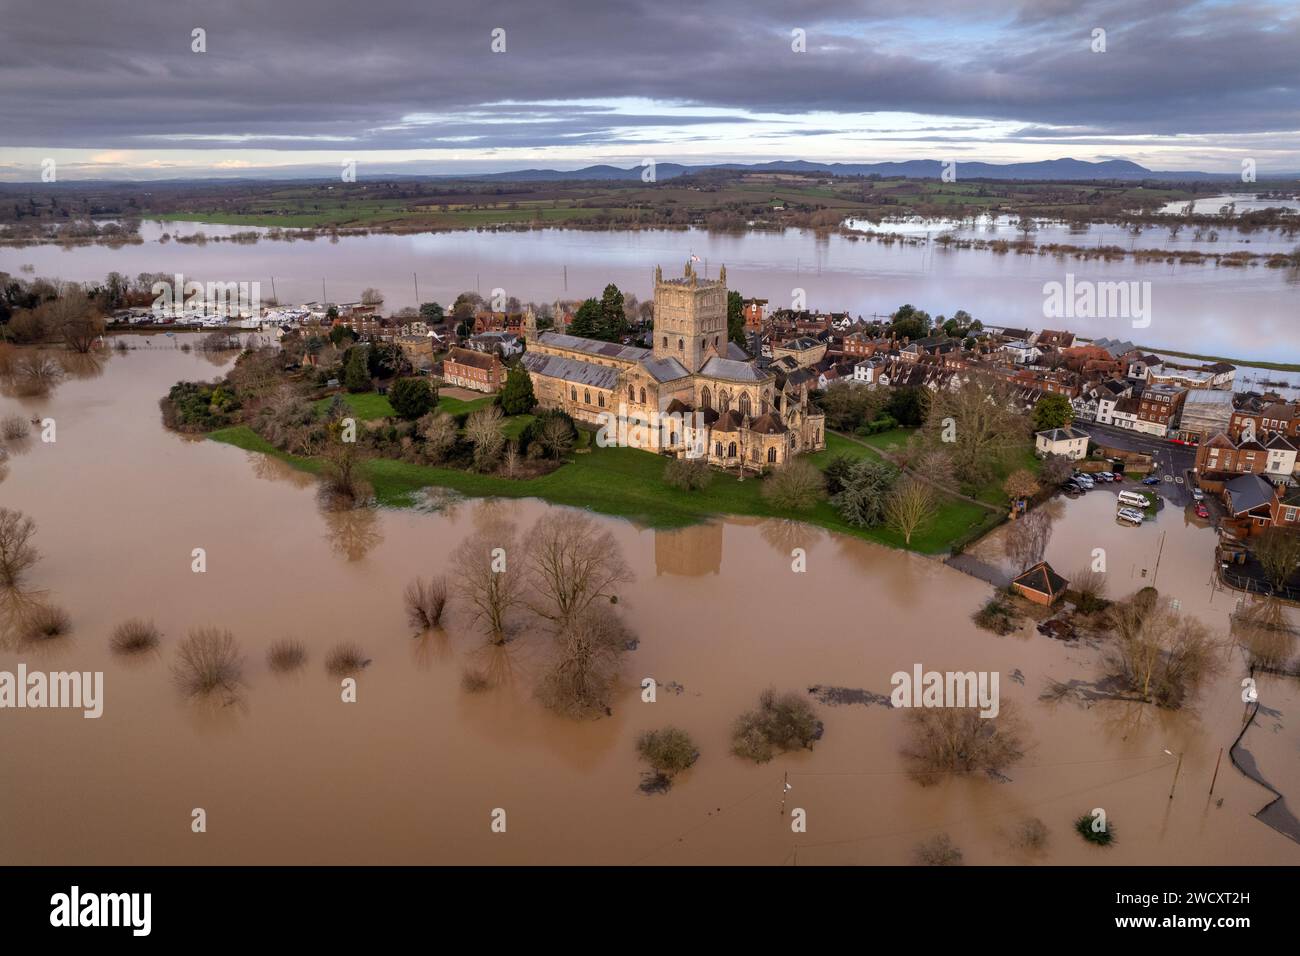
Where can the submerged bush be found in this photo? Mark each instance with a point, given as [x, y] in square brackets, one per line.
[286, 654]
[345, 659]
[998, 615]
[1085, 828]
[473, 681]
[668, 751]
[781, 723]
[425, 602]
[939, 850]
[45, 622]
[134, 637]
[14, 427]
[208, 660]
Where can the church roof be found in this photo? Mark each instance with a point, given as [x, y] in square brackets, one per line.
[571, 370]
[665, 369]
[734, 351]
[728, 421]
[614, 350]
[768, 424]
[731, 370]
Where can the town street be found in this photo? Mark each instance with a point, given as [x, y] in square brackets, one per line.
[1171, 461]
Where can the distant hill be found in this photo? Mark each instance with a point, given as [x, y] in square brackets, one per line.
[1051, 169]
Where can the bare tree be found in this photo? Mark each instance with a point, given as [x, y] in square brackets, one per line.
[343, 485]
[978, 425]
[572, 562]
[439, 432]
[946, 740]
[590, 648]
[557, 436]
[425, 601]
[491, 580]
[909, 506]
[1026, 539]
[1159, 654]
[74, 317]
[1278, 552]
[17, 553]
[483, 429]
[796, 485]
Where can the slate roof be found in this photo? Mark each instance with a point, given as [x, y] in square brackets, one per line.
[614, 350]
[1248, 492]
[571, 370]
[1061, 434]
[731, 370]
[1043, 579]
[664, 370]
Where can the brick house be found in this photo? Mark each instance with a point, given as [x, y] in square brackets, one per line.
[477, 371]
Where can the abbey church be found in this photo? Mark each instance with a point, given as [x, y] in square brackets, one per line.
[754, 416]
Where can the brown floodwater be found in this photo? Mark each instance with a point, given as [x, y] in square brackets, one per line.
[412, 772]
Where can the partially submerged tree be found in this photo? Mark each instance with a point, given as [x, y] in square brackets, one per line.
[491, 578]
[208, 660]
[1159, 654]
[779, 723]
[572, 562]
[958, 740]
[425, 602]
[589, 652]
[17, 553]
[1278, 552]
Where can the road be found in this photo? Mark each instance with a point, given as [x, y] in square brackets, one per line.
[1171, 461]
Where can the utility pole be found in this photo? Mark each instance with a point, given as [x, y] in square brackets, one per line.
[785, 788]
[1216, 771]
[1176, 771]
[1160, 552]
[273, 295]
[416, 277]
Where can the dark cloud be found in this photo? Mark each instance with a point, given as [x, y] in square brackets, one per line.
[340, 74]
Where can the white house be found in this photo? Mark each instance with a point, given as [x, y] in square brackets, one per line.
[1022, 352]
[1061, 441]
[1281, 456]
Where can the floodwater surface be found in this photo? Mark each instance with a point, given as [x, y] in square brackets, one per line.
[413, 771]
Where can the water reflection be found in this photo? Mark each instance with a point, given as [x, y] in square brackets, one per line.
[352, 532]
[693, 551]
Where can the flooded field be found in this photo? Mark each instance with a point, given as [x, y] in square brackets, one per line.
[1243, 313]
[412, 772]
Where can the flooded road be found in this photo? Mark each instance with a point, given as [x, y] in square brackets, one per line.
[412, 772]
[1243, 313]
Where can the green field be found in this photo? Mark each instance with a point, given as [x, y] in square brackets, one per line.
[369, 406]
[629, 483]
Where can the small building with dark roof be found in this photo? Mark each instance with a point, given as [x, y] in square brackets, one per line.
[1040, 584]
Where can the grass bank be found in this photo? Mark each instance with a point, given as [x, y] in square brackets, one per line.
[628, 483]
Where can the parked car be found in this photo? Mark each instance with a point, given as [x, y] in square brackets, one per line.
[1202, 511]
[1198, 494]
[1151, 480]
[1084, 480]
[1130, 515]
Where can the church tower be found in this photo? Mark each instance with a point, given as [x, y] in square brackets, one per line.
[690, 317]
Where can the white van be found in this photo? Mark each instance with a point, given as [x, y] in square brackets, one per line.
[1134, 500]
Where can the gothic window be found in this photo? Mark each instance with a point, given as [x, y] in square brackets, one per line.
[601, 398]
[717, 449]
[753, 453]
[763, 406]
[706, 398]
[771, 455]
[724, 401]
[681, 345]
[573, 394]
[643, 396]
[586, 396]
[743, 404]
[631, 394]
[731, 450]
[665, 341]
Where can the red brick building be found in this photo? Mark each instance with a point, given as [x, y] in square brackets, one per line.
[478, 371]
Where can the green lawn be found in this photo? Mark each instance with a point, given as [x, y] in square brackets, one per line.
[629, 483]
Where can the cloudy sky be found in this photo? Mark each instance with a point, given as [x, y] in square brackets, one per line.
[114, 88]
